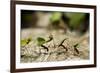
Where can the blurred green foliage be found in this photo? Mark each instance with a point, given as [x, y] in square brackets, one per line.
[75, 19]
[71, 20]
[56, 16]
[27, 17]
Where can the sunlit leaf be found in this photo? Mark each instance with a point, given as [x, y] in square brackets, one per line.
[25, 41]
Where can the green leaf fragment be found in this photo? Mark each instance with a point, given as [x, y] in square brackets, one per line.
[40, 41]
[25, 41]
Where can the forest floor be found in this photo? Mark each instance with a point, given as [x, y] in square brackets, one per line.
[33, 53]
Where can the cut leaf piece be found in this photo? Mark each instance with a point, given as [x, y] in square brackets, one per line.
[40, 41]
